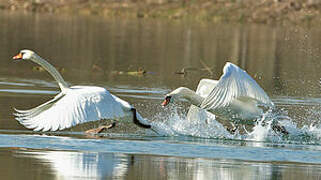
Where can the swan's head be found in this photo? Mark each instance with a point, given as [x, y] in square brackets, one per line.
[24, 55]
[167, 100]
[174, 95]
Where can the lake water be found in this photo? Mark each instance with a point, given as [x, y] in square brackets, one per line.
[93, 50]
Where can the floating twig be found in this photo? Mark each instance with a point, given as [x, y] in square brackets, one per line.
[206, 67]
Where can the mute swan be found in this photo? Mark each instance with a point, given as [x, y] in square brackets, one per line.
[235, 97]
[73, 105]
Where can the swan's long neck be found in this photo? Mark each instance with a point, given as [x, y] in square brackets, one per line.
[55, 74]
[191, 96]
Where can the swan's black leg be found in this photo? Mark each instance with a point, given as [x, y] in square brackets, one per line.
[137, 122]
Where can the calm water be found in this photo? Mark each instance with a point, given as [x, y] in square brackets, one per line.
[285, 61]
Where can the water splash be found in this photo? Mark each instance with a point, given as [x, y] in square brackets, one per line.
[176, 123]
[205, 125]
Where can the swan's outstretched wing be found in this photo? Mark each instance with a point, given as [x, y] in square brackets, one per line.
[79, 105]
[234, 84]
[205, 87]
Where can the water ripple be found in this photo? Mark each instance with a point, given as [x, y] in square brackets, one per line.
[164, 147]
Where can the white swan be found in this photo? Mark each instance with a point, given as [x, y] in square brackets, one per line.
[73, 105]
[235, 97]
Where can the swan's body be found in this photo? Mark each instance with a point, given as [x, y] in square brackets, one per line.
[235, 96]
[73, 105]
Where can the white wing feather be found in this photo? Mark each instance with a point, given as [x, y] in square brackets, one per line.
[79, 105]
[205, 86]
[235, 83]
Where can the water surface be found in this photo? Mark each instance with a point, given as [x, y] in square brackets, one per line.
[91, 50]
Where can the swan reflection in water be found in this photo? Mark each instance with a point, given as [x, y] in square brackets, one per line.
[84, 165]
[98, 165]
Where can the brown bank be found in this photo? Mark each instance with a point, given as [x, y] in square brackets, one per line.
[258, 11]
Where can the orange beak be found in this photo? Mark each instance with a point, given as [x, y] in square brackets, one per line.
[166, 101]
[17, 57]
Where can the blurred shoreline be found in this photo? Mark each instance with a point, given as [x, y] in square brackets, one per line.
[282, 12]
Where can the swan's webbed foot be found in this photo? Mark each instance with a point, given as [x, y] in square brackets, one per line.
[277, 127]
[232, 129]
[100, 129]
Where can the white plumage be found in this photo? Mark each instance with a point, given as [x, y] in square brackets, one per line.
[234, 84]
[234, 96]
[195, 113]
[74, 105]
